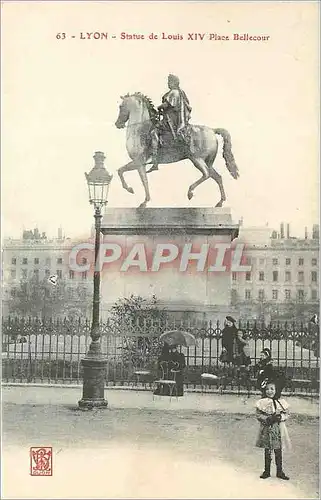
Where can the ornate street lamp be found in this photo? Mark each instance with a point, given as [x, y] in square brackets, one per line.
[94, 363]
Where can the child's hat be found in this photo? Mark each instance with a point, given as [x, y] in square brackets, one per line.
[229, 318]
[267, 351]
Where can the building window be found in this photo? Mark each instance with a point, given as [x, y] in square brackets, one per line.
[84, 275]
[71, 274]
[261, 276]
[47, 273]
[59, 260]
[275, 275]
[287, 294]
[275, 262]
[59, 273]
[248, 276]
[247, 294]
[301, 261]
[24, 273]
[13, 261]
[301, 295]
[262, 262]
[36, 260]
[48, 261]
[287, 276]
[84, 261]
[314, 295]
[24, 261]
[261, 294]
[275, 294]
[314, 262]
[314, 276]
[287, 262]
[300, 276]
[13, 273]
[248, 261]
[233, 296]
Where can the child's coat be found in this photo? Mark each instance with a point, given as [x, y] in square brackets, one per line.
[273, 436]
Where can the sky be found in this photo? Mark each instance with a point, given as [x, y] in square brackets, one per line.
[60, 101]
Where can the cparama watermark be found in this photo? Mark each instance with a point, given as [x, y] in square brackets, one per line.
[221, 257]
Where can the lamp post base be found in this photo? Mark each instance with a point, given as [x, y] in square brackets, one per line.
[94, 383]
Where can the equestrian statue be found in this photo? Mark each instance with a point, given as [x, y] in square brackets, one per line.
[164, 135]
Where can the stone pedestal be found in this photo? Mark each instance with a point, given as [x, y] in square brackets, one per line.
[194, 290]
[94, 366]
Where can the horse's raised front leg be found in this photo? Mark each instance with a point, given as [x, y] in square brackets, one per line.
[202, 167]
[143, 176]
[127, 168]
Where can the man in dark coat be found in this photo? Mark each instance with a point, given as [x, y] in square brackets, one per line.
[229, 336]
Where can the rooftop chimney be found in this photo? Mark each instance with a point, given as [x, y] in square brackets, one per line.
[315, 232]
[288, 231]
[60, 233]
[305, 233]
[282, 230]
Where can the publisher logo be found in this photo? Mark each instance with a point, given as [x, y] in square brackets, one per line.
[41, 461]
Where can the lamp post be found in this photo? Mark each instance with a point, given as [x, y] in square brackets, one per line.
[94, 363]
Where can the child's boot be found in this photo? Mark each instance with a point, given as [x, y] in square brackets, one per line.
[278, 461]
[267, 465]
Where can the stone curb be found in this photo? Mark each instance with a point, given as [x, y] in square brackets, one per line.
[142, 389]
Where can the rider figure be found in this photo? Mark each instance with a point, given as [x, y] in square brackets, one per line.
[176, 111]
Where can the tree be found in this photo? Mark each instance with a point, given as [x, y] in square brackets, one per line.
[42, 299]
[133, 312]
[136, 309]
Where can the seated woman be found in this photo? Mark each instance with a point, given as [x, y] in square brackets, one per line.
[177, 364]
[162, 369]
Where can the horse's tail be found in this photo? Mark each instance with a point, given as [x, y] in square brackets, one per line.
[227, 152]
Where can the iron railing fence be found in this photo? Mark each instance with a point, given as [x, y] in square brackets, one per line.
[50, 350]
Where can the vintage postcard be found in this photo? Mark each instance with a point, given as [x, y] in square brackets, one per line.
[160, 249]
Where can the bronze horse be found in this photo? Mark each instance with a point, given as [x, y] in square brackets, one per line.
[138, 112]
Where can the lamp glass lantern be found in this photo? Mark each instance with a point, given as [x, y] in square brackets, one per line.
[98, 181]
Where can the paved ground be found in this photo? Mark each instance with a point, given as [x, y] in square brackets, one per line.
[197, 447]
[120, 398]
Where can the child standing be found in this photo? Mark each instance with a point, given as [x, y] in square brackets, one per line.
[271, 412]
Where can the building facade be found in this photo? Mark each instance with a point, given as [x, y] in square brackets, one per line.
[283, 282]
[34, 259]
[284, 279]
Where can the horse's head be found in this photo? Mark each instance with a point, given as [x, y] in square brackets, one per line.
[136, 104]
[124, 112]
